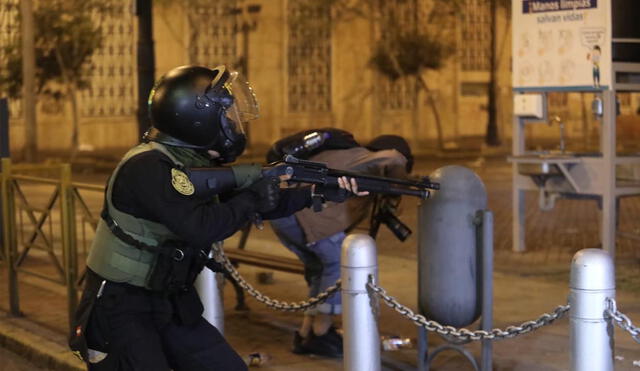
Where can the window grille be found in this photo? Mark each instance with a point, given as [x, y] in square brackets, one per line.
[213, 32]
[113, 75]
[625, 99]
[309, 57]
[558, 99]
[476, 36]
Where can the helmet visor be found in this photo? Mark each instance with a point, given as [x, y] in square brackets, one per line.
[239, 102]
[244, 100]
[233, 125]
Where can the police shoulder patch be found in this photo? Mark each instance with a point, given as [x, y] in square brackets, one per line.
[180, 181]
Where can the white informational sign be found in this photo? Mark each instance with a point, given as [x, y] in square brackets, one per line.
[561, 44]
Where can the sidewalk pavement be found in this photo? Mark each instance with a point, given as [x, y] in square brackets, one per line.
[518, 298]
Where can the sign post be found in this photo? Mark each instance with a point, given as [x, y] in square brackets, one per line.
[4, 146]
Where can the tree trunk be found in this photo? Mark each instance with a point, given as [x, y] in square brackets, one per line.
[492, 138]
[415, 114]
[70, 92]
[436, 112]
[75, 134]
[70, 87]
[28, 78]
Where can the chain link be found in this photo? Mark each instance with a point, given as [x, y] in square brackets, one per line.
[461, 334]
[221, 258]
[622, 320]
[464, 334]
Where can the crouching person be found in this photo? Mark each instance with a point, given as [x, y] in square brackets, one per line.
[316, 237]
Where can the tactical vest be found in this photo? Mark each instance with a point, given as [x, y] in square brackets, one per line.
[112, 258]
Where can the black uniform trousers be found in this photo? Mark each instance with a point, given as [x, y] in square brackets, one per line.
[140, 330]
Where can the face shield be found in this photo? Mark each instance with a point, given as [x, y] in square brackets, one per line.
[239, 102]
[235, 96]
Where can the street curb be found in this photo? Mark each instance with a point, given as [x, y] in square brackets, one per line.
[26, 339]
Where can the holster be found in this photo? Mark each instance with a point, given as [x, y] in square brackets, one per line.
[176, 267]
[87, 330]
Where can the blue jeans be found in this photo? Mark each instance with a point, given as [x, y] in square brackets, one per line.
[321, 260]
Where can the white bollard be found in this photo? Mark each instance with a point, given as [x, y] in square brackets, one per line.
[592, 282]
[359, 318]
[209, 286]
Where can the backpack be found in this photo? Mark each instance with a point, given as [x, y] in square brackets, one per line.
[307, 143]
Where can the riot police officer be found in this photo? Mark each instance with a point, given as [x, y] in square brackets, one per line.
[139, 309]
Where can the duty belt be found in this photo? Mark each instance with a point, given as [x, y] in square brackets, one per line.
[176, 253]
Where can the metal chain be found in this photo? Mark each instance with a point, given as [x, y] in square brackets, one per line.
[464, 334]
[273, 303]
[622, 320]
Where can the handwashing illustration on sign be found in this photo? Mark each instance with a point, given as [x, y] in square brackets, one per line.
[592, 38]
[562, 44]
[545, 41]
[525, 73]
[566, 71]
[565, 41]
[525, 44]
[545, 72]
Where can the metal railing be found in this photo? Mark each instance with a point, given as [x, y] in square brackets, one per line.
[42, 240]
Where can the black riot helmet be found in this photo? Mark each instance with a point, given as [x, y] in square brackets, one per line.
[202, 108]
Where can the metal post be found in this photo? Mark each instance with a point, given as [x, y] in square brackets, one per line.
[608, 137]
[145, 59]
[518, 196]
[68, 226]
[487, 285]
[209, 285]
[592, 282]
[423, 349]
[4, 128]
[4, 152]
[359, 309]
[9, 238]
[28, 80]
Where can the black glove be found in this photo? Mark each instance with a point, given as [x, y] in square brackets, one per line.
[267, 193]
[334, 194]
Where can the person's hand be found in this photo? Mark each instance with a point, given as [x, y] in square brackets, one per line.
[351, 185]
[346, 188]
[267, 192]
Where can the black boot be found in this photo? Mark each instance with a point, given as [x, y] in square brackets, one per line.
[326, 345]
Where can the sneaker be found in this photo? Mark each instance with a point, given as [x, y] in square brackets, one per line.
[326, 345]
[336, 336]
[298, 347]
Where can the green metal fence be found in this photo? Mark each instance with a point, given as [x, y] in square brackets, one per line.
[46, 238]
